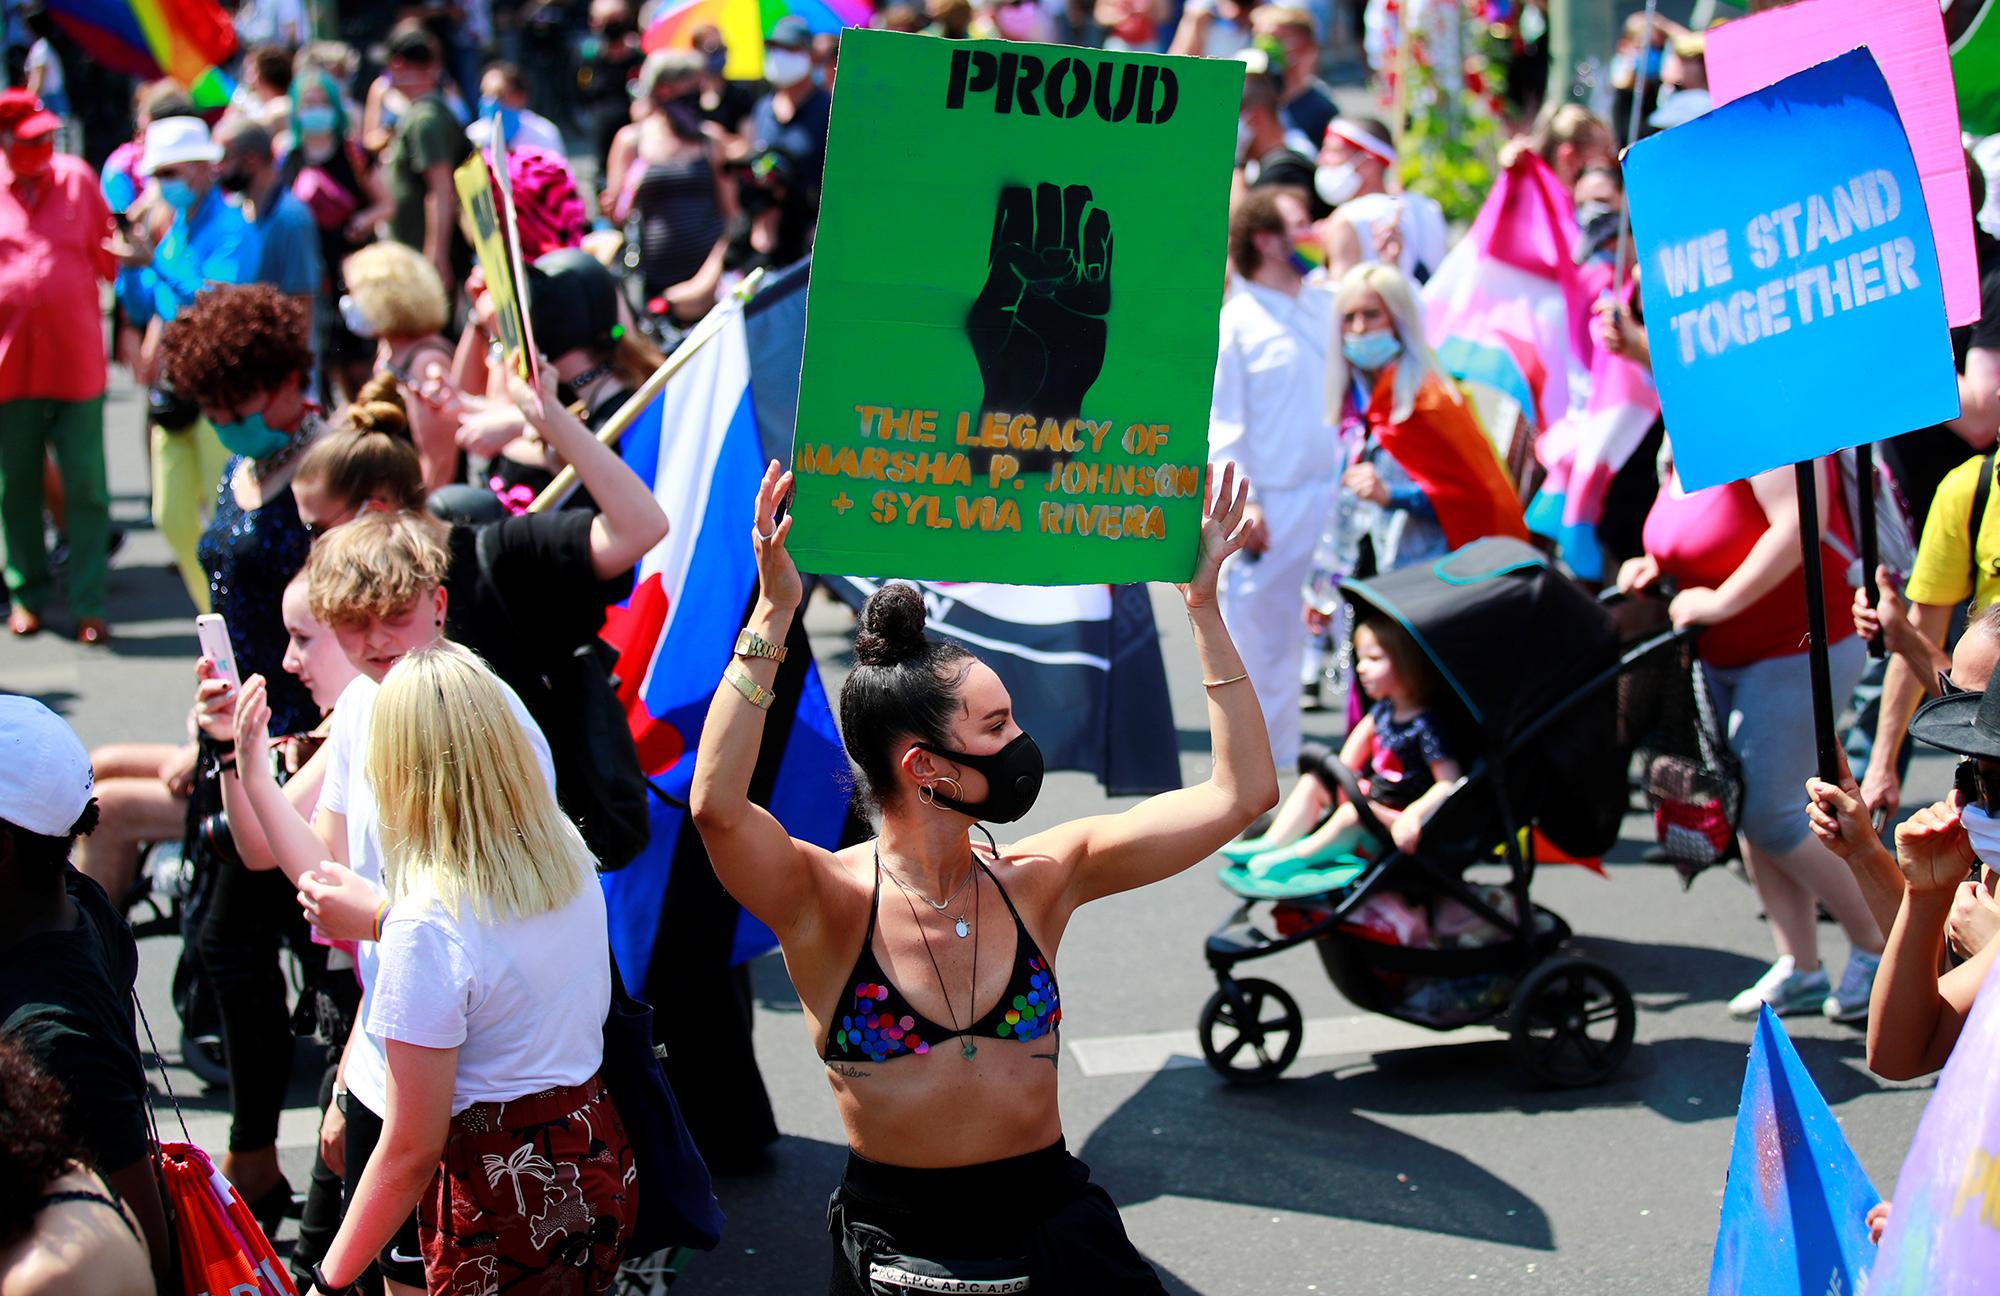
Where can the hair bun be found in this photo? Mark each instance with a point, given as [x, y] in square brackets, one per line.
[378, 407]
[892, 626]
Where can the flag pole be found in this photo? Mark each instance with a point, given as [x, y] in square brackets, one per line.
[1826, 743]
[1631, 138]
[1864, 473]
[565, 484]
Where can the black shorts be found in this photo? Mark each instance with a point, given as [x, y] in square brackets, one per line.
[403, 1259]
[1039, 1212]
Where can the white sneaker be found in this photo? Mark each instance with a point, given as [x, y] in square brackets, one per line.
[1849, 1003]
[1785, 990]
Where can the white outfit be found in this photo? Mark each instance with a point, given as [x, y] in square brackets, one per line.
[272, 22]
[522, 1000]
[536, 131]
[346, 792]
[1419, 218]
[1269, 418]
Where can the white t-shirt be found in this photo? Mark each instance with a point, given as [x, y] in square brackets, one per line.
[1419, 218]
[523, 1000]
[346, 792]
[1267, 414]
[536, 131]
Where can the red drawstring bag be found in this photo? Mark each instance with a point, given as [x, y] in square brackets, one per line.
[223, 1251]
[221, 1248]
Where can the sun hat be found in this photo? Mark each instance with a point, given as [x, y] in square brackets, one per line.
[1966, 723]
[171, 141]
[45, 779]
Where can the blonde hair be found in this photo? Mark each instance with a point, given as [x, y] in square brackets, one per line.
[466, 814]
[375, 566]
[398, 289]
[1417, 361]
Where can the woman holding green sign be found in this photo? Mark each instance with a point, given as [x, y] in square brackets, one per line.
[925, 961]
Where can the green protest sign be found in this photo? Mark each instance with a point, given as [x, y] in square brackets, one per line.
[1011, 324]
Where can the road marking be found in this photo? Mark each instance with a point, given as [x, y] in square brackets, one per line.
[298, 1127]
[1362, 1033]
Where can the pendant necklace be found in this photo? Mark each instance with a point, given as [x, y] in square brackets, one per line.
[966, 1049]
[959, 926]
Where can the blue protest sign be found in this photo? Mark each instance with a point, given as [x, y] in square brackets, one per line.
[1791, 287]
[1794, 1213]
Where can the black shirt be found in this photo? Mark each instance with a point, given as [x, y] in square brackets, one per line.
[1919, 460]
[1311, 113]
[542, 568]
[66, 996]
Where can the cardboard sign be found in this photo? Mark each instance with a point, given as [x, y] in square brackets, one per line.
[1011, 326]
[1907, 38]
[1796, 1203]
[491, 232]
[1790, 284]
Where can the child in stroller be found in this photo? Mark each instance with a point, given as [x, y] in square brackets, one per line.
[1401, 748]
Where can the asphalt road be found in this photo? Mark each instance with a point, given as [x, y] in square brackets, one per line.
[1386, 1161]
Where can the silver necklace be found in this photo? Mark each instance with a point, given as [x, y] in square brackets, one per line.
[959, 926]
[966, 1048]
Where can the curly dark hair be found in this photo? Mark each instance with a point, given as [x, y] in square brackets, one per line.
[236, 342]
[34, 1147]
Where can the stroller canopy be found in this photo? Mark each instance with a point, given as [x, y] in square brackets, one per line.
[1511, 635]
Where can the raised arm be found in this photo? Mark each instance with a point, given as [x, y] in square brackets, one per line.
[297, 846]
[629, 519]
[1915, 1015]
[1165, 834]
[769, 872]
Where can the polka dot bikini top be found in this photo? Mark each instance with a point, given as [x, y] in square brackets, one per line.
[876, 1022]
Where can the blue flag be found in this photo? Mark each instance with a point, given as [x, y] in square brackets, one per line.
[1794, 1213]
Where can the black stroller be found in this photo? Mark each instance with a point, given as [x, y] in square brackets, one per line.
[1533, 665]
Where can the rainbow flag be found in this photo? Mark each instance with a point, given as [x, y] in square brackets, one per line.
[187, 40]
[745, 23]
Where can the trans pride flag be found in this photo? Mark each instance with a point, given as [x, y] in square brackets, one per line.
[187, 40]
[1508, 308]
[745, 23]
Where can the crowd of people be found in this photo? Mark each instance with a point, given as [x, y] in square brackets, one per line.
[381, 780]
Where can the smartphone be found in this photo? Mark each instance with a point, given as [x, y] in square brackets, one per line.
[213, 632]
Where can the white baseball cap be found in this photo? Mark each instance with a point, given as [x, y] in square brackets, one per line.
[173, 140]
[45, 779]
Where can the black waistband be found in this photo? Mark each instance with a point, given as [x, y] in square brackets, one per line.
[1042, 1176]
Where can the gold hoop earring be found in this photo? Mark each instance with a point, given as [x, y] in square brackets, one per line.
[957, 792]
[926, 796]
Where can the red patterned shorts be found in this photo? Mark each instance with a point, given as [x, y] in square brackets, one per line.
[537, 1195]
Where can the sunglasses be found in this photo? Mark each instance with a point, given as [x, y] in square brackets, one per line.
[1975, 786]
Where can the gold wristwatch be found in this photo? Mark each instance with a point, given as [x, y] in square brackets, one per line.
[751, 644]
[754, 693]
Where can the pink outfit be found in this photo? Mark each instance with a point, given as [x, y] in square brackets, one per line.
[52, 257]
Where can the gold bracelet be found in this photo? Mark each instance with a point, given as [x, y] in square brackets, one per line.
[754, 693]
[1231, 680]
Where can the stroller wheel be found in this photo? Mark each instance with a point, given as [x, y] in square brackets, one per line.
[1250, 1031]
[1573, 1023]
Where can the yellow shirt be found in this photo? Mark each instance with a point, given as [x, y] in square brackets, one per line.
[1943, 571]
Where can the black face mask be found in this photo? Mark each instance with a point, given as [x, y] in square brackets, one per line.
[234, 181]
[1013, 780]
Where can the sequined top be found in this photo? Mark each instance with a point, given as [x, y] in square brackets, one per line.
[250, 555]
[878, 1023]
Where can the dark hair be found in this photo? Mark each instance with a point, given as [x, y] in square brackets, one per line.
[368, 454]
[163, 99]
[412, 42]
[1412, 667]
[1599, 168]
[34, 1146]
[1255, 213]
[274, 66]
[1975, 183]
[904, 685]
[236, 342]
[39, 853]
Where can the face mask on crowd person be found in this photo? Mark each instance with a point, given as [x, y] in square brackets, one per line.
[510, 118]
[1337, 183]
[784, 68]
[1371, 350]
[234, 179]
[316, 119]
[355, 318]
[1013, 780]
[251, 437]
[718, 59]
[177, 193]
[31, 157]
[1984, 831]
